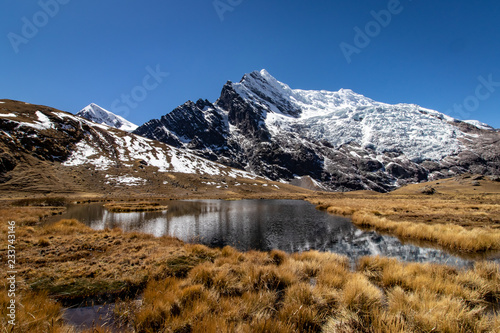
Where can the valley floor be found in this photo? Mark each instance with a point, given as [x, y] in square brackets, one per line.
[193, 288]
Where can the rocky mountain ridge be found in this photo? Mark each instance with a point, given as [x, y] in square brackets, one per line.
[50, 151]
[341, 140]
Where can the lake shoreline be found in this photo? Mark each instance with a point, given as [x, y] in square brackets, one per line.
[230, 290]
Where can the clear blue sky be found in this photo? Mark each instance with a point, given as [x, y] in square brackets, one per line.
[431, 52]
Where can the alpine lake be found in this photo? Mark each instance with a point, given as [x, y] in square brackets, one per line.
[263, 225]
[288, 225]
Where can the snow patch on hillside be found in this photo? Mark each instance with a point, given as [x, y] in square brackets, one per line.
[131, 148]
[84, 153]
[479, 124]
[125, 180]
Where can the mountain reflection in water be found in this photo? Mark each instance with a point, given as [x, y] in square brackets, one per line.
[288, 225]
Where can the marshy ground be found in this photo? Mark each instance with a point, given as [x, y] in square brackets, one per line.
[461, 215]
[193, 288]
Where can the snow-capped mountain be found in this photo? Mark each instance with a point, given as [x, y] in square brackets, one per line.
[341, 139]
[47, 150]
[97, 114]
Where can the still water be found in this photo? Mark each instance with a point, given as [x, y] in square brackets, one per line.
[288, 225]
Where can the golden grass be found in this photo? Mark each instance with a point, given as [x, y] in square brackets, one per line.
[66, 227]
[360, 295]
[190, 287]
[479, 286]
[438, 297]
[75, 263]
[449, 236]
[235, 297]
[35, 312]
[29, 215]
[238, 292]
[313, 292]
[125, 207]
[464, 223]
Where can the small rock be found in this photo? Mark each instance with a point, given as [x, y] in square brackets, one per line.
[494, 178]
[428, 190]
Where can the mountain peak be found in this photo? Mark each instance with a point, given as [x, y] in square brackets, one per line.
[97, 114]
[263, 88]
[346, 91]
[263, 78]
[263, 73]
[341, 139]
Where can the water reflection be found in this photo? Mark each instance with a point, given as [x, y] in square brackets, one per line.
[288, 225]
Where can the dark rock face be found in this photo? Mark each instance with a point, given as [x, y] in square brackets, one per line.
[262, 88]
[52, 144]
[8, 162]
[247, 118]
[19, 140]
[196, 126]
[234, 131]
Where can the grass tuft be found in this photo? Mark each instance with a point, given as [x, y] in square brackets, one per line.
[126, 207]
[460, 223]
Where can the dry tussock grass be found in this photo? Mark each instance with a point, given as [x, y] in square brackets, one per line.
[29, 215]
[448, 236]
[467, 223]
[125, 207]
[73, 262]
[192, 288]
[436, 297]
[35, 312]
[242, 292]
[314, 292]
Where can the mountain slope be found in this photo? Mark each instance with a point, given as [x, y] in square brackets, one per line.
[46, 150]
[95, 113]
[342, 140]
